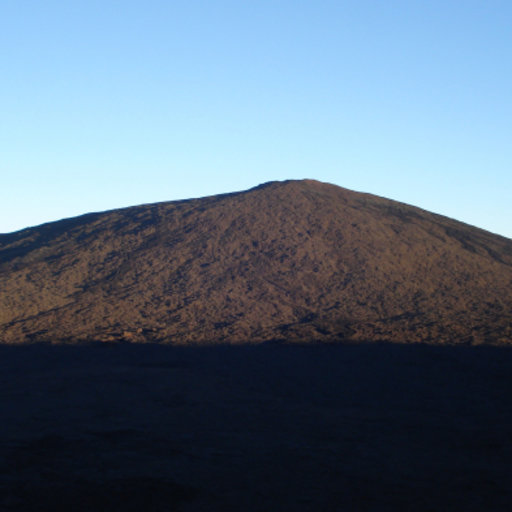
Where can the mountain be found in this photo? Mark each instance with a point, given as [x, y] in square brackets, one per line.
[297, 261]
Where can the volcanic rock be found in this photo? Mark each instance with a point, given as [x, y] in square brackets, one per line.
[294, 261]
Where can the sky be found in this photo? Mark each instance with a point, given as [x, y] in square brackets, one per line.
[105, 104]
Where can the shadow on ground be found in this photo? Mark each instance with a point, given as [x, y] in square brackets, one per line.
[303, 428]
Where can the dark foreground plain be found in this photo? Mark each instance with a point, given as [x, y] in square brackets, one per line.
[259, 428]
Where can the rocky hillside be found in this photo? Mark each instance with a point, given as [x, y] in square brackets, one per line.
[297, 261]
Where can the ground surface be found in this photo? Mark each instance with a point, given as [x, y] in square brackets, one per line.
[290, 261]
[302, 428]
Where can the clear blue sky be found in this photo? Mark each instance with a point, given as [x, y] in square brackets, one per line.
[114, 103]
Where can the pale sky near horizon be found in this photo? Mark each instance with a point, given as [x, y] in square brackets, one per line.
[108, 103]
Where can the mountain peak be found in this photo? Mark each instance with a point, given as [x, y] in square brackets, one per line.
[296, 261]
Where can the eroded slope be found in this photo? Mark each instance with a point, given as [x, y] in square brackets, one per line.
[295, 261]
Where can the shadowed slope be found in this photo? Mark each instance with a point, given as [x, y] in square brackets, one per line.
[364, 428]
[294, 261]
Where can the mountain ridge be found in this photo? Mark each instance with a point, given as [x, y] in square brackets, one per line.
[296, 261]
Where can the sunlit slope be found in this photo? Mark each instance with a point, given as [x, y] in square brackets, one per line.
[291, 261]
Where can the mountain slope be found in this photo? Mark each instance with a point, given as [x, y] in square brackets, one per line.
[295, 261]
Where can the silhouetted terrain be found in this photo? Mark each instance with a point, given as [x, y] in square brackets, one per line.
[293, 261]
[316, 428]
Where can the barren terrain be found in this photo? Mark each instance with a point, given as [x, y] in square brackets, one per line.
[309, 428]
[298, 346]
[296, 261]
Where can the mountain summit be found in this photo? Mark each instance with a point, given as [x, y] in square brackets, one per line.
[298, 261]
